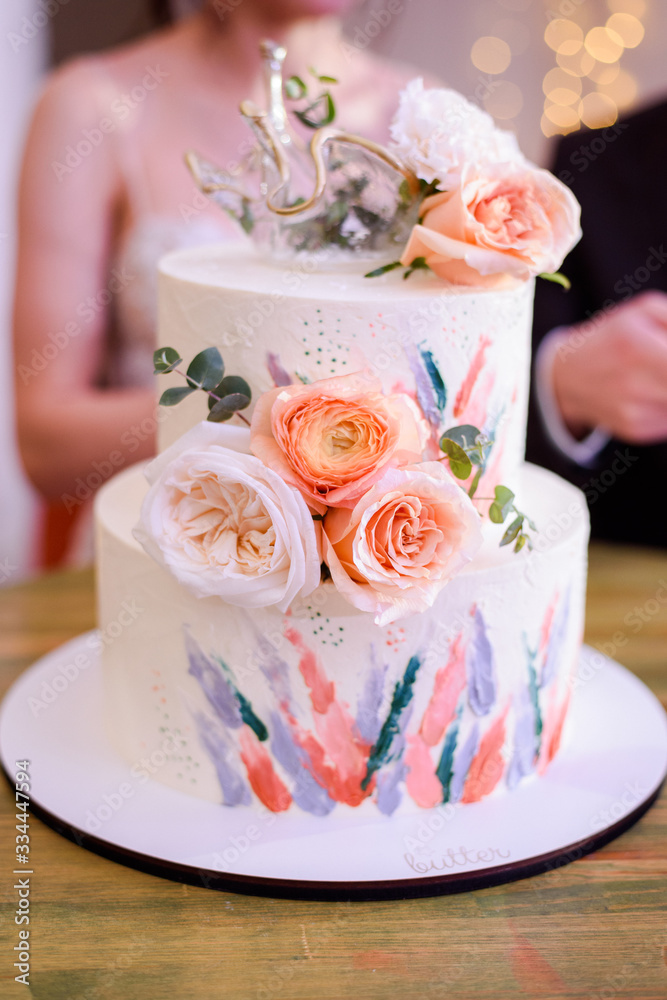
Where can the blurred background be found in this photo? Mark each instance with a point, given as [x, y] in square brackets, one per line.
[540, 67]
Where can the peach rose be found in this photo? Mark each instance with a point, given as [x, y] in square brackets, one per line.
[226, 526]
[405, 539]
[504, 221]
[333, 439]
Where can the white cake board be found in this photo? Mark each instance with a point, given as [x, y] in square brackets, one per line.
[605, 777]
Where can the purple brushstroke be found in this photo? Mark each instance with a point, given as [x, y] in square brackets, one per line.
[368, 718]
[276, 370]
[307, 793]
[424, 389]
[235, 791]
[219, 693]
[393, 771]
[480, 668]
[557, 637]
[389, 795]
[462, 763]
[525, 749]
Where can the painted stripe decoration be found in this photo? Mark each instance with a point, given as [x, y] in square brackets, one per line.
[480, 667]
[401, 699]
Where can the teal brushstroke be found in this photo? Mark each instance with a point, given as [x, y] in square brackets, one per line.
[402, 696]
[245, 708]
[437, 381]
[445, 769]
[533, 691]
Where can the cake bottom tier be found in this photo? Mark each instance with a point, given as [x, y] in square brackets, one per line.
[320, 708]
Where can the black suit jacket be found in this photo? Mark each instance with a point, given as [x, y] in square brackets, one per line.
[619, 175]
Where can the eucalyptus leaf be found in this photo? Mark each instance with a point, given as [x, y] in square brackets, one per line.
[295, 88]
[384, 269]
[165, 360]
[521, 541]
[475, 483]
[558, 278]
[229, 385]
[459, 463]
[512, 532]
[170, 397]
[419, 263]
[228, 404]
[329, 112]
[206, 369]
[464, 434]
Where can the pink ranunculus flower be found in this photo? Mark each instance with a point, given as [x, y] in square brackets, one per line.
[333, 439]
[226, 526]
[499, 221]
[404, 540]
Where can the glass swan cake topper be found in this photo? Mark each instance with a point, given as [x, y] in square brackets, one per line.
[341, 194]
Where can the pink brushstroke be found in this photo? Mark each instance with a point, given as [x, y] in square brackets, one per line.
[449, 682]
[553, 729]
[468, 383]
[487, 765]
[546, 625]
[265, 783]
[336, 761]
[321, 689]
[337, 755]
[478, 407]
[421, 781]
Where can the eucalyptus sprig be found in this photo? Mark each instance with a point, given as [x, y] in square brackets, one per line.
[227, 394]
[321, 110]
[502, 506]
[465, 446]
[418, 264]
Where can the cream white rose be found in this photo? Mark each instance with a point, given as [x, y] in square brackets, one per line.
[437, 132]
[227, 526]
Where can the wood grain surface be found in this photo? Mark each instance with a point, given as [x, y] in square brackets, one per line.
[596, 928]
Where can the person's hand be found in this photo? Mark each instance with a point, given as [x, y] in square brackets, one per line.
[611, 371]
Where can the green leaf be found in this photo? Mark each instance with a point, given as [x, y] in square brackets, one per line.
[329, 112]
[323, 78]
[165, 360]
[170, 397]
[228, 405]
[404, 192]
[295, 88]
[475, 483]
[521, 541]
[419, 263]
[246, 220]
[464, 434]
[219, 418]
[459, 463]
[231, 384]
[513, 530]
[384, 269]
[558, 279]
[206, 369]
[502, 505]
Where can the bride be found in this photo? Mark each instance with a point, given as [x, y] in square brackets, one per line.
[104, 193]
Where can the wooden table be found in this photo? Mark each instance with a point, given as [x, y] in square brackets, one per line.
[595, 928]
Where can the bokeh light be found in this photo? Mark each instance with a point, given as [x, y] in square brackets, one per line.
[629, 29]
[597, 110]
[491, 55]
[604, 73]
[578, 63]
[561, 87]
[604, 45]
[622, 90]
[563, 35]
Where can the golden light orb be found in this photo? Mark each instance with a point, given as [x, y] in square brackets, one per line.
[490, 54]
[597, 110]
[561, 32]
[628, 28]
[622, 90]
[604, 45]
